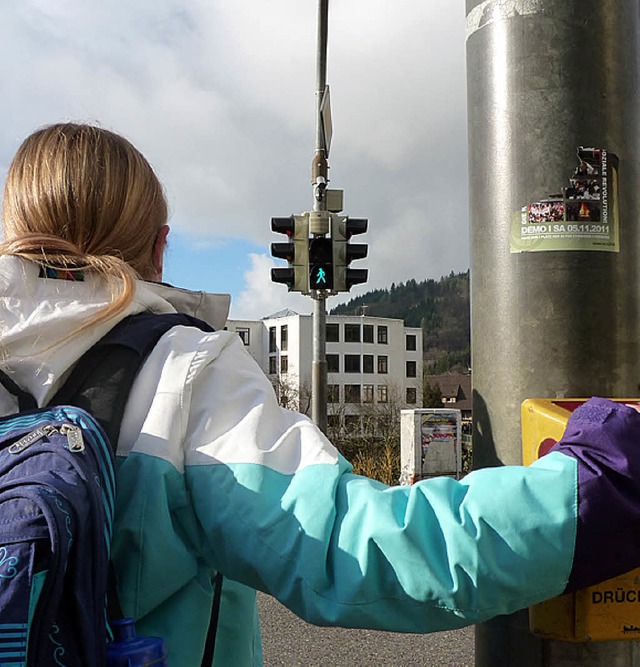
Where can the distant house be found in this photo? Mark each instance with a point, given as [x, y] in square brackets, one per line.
[456, 391]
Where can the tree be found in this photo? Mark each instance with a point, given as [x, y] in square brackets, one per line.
[371, 442]
[431, 395]
[290, 396]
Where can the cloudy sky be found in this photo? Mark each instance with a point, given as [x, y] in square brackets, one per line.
[220, 96]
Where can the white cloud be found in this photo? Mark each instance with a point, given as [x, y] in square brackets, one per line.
[261, 297]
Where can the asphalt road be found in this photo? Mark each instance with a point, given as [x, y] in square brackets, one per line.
[290, 642]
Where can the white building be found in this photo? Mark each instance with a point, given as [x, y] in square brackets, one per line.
[372, 363]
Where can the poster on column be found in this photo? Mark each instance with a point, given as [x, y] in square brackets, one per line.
[582, 216]
[430, 443]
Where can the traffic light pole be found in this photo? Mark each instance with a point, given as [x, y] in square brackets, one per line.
[319, 182]
[318, 250]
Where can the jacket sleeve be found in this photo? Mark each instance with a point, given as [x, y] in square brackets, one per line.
[603, 437]
[281, 511]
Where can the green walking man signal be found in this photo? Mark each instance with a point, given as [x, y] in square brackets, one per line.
[320, 264]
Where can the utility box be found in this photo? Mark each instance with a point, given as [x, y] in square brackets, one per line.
[609, 611]
[430, 444]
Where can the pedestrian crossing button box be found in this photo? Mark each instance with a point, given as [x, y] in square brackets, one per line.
[609, 611]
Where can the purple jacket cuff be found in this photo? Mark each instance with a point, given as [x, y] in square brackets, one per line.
[604, 438]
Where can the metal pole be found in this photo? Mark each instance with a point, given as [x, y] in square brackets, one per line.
[319, 181]
[544, 77]
[319, 369]
[321, 73]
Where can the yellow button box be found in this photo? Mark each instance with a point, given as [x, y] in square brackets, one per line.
[605, 612]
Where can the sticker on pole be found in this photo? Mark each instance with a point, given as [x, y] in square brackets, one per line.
[582, 216]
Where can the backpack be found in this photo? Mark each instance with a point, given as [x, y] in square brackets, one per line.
[57, 490]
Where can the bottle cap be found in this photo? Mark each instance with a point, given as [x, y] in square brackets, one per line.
[129, 650]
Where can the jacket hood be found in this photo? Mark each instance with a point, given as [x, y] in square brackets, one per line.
[38, 314]
[212, 308]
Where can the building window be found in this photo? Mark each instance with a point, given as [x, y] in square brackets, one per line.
[383, 393]
[244, 335]
[352, 393]
[411, 342]
[333, 333]
[284, 364]
[273, 368]
[351, 333]
[383, 335]
[351, 363]
[383, 363]
[284, 337]
[333, 363]
[367, 363]
[272, 339]
[385, 422]
[412, 369]
[333, 393]
[412, 395]
[352, 423]
[367, 393]
[333, 422]
[367, 333]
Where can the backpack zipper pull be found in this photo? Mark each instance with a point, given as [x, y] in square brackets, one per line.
[74, 437]
[30, 438]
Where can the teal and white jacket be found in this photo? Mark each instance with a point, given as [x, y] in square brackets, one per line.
[214, 476]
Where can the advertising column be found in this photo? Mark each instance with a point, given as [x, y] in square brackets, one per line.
[430, 444]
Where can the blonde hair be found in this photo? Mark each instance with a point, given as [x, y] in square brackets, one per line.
[81, 198]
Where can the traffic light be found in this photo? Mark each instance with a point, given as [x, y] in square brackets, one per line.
[295, 251]
[342, 229]
[320, 264]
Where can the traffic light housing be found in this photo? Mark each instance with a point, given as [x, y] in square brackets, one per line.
[295, 251]
[344, 252]
[319, 263]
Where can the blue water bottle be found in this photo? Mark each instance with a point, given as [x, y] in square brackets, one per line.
[129, 650]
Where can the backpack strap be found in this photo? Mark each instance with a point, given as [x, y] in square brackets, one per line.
[101, 380]
[26, 401]
[210, 643]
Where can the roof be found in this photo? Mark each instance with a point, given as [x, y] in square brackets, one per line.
[454, 385]
[286, 312]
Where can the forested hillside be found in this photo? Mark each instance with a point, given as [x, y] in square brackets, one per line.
[439, 307]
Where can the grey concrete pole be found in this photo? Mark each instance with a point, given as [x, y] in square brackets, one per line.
[319, 181]
[544, 77]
